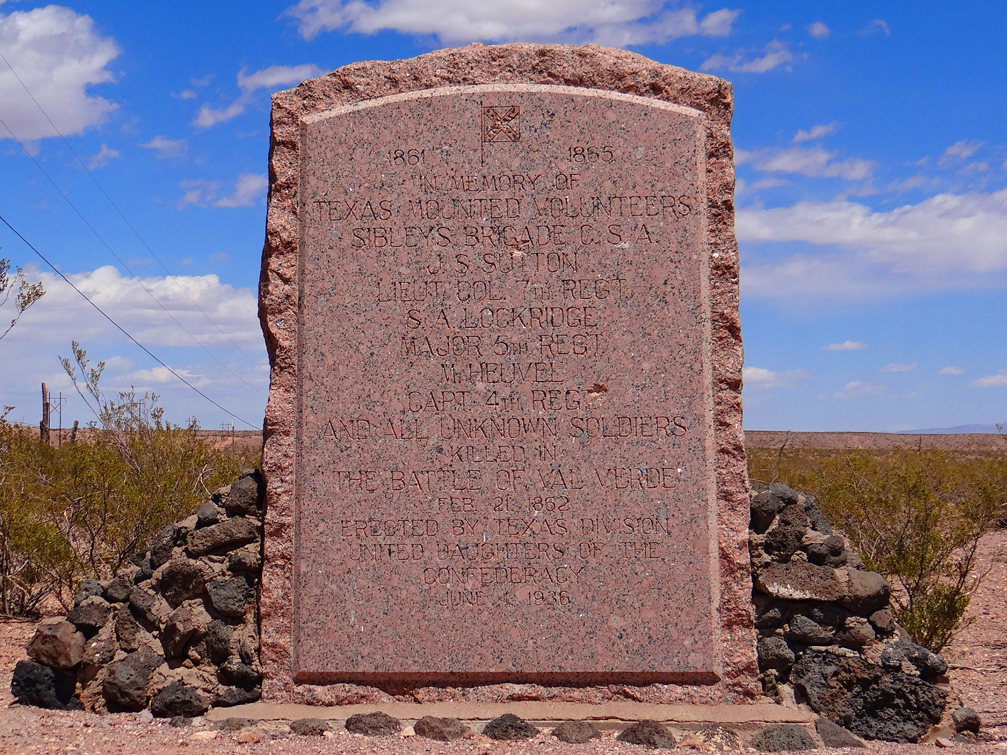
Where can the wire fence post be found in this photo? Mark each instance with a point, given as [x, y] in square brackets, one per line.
[43, 426]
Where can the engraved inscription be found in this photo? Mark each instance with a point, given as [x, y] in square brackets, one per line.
[581, 154]
[401, 157]
[504, 381]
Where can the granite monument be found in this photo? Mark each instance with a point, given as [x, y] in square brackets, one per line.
[503, 440]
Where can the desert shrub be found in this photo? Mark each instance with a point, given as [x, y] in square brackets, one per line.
[25, 293]
[85, 508]
[915, 516]
[31, 548]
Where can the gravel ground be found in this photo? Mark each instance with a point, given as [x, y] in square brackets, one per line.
[979, 671]
[978, 655]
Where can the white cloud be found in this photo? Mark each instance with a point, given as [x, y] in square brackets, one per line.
[31, 147]
[163, 375]
[815, 132]
[458, 21]
[866, 189]
[777, 53]
[763, 183]
[190, 197]
[858, 389]
[58, 56]
[103, 158]
[233, 309]
[249, 189]
[118, 364]
[198, 192]
[760, 377]
[949, 241]
[955, 370]
[975, 167]
[185, 94]
[770, 183]
[912, 182]
[814, 162]
[209, 116]
[877, 25]
[270, 78]
[46, 329]
[166, 147]
[991, 381]
[845, 346]
[277, 76]
[957, 152]
[898, 367]
[818, 30]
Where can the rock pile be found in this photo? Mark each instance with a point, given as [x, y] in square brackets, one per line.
[827, 636]
[176, 631]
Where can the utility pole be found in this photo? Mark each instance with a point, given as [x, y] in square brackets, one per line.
[43, 427]
[59, 409]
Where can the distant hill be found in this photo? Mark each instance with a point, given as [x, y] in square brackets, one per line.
[952, 430]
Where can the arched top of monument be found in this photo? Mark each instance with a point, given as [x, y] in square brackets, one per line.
[590, 66]
[545, 89]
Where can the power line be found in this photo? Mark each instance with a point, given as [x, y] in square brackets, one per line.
[121, 262]
[118, 327]
[121, 215]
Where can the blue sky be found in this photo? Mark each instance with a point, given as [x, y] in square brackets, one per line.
[872, 166]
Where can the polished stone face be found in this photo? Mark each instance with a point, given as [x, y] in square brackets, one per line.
[504, 420]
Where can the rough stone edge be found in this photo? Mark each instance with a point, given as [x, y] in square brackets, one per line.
[590, 66]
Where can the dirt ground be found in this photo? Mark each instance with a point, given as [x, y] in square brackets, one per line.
[978, 654]
[978, 659]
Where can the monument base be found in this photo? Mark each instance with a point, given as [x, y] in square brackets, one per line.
[614, 693]
[615, 713]
[744, 721]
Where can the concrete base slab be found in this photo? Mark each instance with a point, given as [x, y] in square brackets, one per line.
[614, 715]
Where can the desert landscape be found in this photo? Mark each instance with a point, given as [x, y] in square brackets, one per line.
[482, 298]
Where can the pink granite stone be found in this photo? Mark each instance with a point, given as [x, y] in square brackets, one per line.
[503, 442]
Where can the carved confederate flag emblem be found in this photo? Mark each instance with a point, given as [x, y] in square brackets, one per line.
[501, 124]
